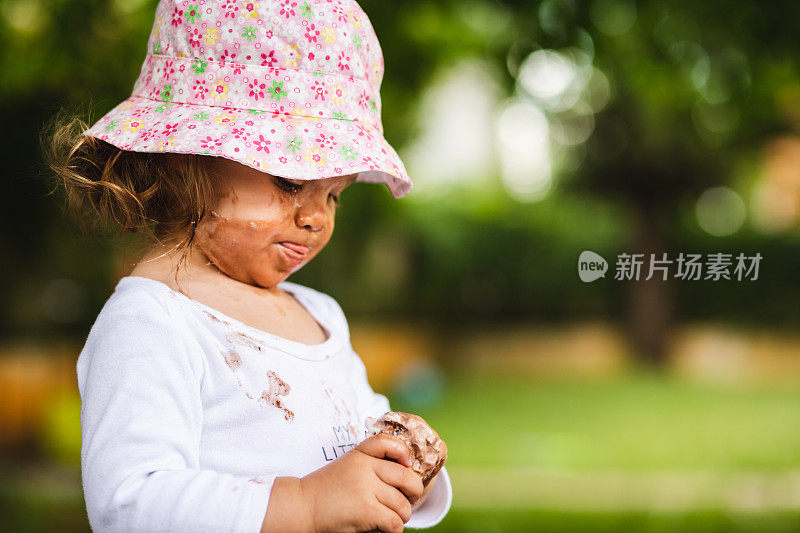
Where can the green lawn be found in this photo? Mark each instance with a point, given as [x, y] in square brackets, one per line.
[544, 521]
[630, 454]
[633, 424]
[636, 453]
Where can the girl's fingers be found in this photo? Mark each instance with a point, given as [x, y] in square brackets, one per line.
[388, 520]
[401, 478]
[384, 446]
[394, 500]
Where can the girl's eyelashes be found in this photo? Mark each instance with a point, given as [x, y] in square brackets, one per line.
[287, 185]
[293, 188]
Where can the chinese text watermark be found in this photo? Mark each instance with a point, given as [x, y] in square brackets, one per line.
[688, 267]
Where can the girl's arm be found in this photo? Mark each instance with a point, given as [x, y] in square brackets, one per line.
[141, 420]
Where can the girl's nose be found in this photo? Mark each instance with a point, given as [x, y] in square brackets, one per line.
[311, 216]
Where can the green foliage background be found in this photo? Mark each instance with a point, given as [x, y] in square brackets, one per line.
[514, 259]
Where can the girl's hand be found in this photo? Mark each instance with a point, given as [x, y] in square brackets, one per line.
[361, 491]
[425, 493]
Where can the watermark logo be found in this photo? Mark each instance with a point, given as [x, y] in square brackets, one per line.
[591, 266]
[689, 267]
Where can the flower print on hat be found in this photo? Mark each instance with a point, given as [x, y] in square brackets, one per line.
[289, 87]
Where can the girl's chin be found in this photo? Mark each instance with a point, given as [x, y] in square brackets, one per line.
[296, 268]
[255, 278]
[271, 279]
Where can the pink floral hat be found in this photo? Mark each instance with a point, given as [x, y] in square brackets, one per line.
[288, 87]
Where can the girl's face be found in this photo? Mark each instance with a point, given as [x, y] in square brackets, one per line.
[265, 227]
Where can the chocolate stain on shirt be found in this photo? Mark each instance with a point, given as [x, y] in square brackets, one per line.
[343, 413]
[232, 359]
[243, 339]
[276, 387]
[214, 318]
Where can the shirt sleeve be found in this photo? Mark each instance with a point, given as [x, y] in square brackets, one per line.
[141, 421]
[371, 404]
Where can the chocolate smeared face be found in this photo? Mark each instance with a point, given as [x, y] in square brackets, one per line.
[265, 227]
[428, 451]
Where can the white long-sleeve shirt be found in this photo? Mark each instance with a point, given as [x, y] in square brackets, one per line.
[189, 415]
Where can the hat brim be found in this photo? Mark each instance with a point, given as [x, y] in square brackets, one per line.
[293, 146]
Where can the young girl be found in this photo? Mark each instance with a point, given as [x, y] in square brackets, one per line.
[216, 395]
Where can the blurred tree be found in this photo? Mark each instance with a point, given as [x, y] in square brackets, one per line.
[690, 100]
[697, 87]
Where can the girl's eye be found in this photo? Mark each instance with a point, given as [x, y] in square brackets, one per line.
[287, 185]
[335, 198]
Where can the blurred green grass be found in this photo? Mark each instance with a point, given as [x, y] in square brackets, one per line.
[32, 516]
[537, 455]
[547, 521]
[636, 422]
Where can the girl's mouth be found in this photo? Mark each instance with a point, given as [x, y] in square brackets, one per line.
[298, 248]
[296, 253]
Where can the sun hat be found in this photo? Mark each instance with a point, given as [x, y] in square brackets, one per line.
[288, 87]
